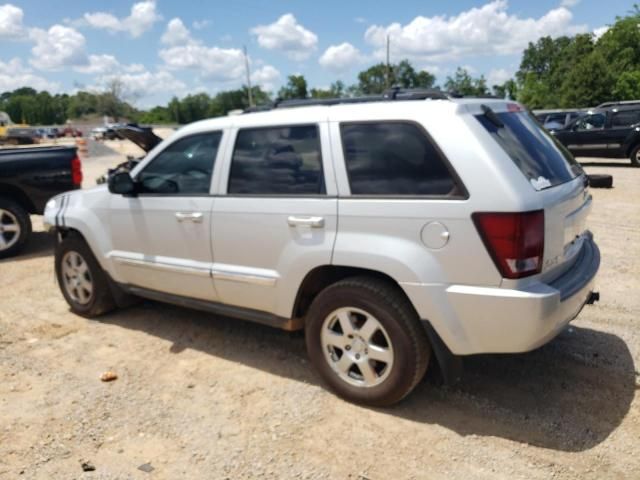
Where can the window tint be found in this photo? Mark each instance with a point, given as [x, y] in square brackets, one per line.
[184, 167]
[537, 154]
[557, 118]
[625, 118]
[592, 122]
[393, 159]
[277, 161]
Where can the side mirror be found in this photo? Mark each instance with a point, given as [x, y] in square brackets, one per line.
[121, 183]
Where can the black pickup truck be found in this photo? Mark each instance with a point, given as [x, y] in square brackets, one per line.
[612, 131]
[29, 177]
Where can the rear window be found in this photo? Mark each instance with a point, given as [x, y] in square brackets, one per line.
[542, 160]
[625, 118]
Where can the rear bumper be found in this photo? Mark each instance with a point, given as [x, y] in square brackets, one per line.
[472, 319]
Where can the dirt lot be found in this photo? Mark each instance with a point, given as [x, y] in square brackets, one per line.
[205, 397]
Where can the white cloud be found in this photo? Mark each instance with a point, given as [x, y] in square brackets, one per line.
[11, 22]
[200, 24]
[176, 33]
[287, 35]
[142, 84]
[487, 30]
[107, 64]
[339, 58]
[569, 3]
[360, 20]
[266, 77]
[598, 32]
[13, 74]
[211, 62]
[498, 76]
[58, 48]
[143, 16]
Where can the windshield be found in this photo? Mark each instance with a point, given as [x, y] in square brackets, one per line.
[542, 160]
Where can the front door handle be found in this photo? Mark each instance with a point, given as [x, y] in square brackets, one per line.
[195, 217]
[313, 222]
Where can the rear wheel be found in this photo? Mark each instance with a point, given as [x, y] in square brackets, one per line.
[366, 342]
[635, 156]
[82, 281]
[15, 227]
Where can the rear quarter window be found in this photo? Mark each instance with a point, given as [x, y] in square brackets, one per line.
[397, 159]
[540, 157]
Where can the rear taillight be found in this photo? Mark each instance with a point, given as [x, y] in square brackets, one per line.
[515, 241]
[76, 171]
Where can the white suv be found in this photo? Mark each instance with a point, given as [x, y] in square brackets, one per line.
[388, 229]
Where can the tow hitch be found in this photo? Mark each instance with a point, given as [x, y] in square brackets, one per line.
[593, 298]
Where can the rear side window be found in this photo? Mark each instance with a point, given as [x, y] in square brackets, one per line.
[625, 118]
[394, 158]
[277, 161]
[536, 153]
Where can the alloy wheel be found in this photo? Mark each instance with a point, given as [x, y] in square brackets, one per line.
[9, 229]
[357, 347]
[76, 277]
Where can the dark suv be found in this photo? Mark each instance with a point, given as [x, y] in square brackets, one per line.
[613, 132]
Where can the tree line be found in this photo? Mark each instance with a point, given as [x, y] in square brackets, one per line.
[577, 71]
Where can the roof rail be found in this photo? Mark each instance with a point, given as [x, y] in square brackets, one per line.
[392, 94]
[621, 103]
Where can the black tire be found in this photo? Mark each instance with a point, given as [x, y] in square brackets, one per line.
[600, 181]
[23, 222]
[392, 310]
[100, 300]
[635, 156]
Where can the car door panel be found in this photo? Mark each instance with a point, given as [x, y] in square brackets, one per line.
[161, 237]
[265, 244]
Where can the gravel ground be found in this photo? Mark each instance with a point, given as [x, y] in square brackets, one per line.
[199, 396]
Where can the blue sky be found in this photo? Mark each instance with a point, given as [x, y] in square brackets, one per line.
[163, 48]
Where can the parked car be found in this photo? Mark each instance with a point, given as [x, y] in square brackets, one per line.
[28, 178]
[370, 223]
[612, 132]
[556, 119]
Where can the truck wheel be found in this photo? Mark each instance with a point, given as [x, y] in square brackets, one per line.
[82, 281]
[366, 342]
[15, 227]
[635, 156]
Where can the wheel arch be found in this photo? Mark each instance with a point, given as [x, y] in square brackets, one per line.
[17, 195]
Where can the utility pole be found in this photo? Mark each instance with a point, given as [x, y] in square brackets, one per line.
[388, 77]
[246, 66]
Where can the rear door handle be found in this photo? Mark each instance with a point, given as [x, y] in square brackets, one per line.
[195, 217]
[313, 222]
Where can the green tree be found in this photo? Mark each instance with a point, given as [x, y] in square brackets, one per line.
[508, 89]
[296, 87]
[336, 90]
[463, 83]
[377, 78]
[627, 86]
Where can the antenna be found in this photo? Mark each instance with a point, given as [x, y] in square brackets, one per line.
[246, 66]
[387, 79]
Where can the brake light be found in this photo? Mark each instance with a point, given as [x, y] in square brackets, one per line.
[76, 171]
[515, 241]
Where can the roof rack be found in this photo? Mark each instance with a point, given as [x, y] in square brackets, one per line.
[392, 94]
[620, 103]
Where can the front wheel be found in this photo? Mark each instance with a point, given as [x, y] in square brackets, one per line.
[15, 227]
[635, 156]
[366, 342]
[82, 281]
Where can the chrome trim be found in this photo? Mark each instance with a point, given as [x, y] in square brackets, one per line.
[587, 146]
[244, 278]
[165, 267]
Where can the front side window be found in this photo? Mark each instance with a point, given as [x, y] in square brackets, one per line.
[277, 161]
[394, 158]
[183, 168]
[591, 122]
